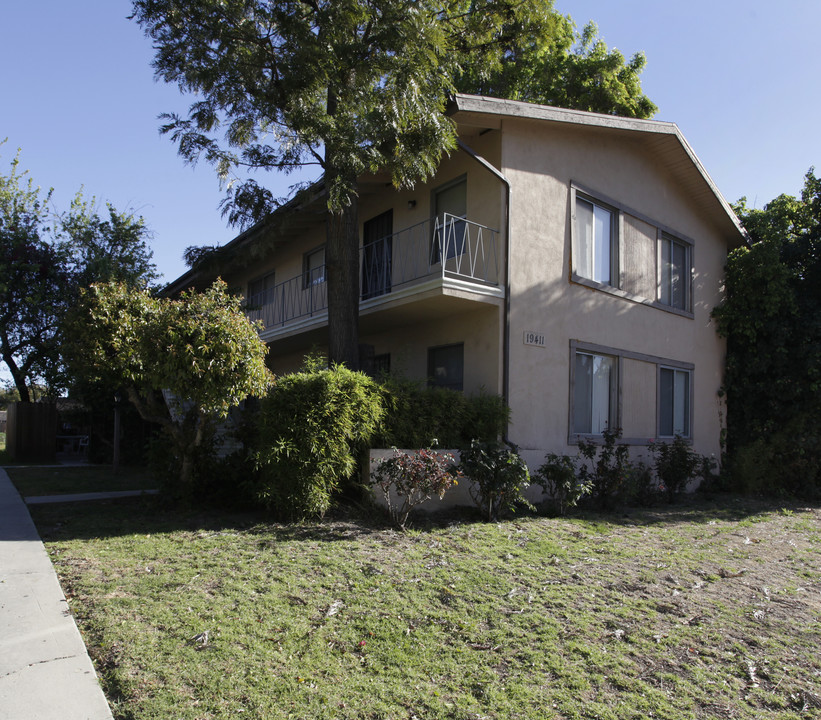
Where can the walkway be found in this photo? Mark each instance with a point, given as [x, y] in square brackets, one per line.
[45, 671]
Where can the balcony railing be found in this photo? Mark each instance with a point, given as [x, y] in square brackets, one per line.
[448, 248]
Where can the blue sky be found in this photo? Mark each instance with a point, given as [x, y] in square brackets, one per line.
[77, 94]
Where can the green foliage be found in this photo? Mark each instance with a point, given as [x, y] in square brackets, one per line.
[676, 465]
[45, 258]
[606, 466]
[640, 487]
[408, 479]
[352, 87]
[200, 351]
[312, 426]
[554, 64]
[498, 477]
[559, 478]
[771, 318]
[416, 415]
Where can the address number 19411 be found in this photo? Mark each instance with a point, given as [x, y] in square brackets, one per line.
[533, 338]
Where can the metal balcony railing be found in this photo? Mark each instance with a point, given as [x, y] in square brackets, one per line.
[447, 247]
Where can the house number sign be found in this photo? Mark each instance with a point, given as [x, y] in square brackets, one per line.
[534, 338]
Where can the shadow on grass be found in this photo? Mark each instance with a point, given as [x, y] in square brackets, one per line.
[153, 515]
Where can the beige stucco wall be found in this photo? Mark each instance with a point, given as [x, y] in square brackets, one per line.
[542, 160]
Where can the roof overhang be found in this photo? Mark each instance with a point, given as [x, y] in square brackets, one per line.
[663, 139]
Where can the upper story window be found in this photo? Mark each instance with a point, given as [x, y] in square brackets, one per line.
[261, 291]
[675, 273]
[313, 267]
[595, 247]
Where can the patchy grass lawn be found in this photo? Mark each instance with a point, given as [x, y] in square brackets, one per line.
[61, 480]
[709, 609]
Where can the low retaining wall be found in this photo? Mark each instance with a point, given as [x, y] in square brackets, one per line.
[456, 496]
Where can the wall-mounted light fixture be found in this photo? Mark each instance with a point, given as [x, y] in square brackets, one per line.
[411, 204]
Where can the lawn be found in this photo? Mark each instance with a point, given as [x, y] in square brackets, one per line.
[707, 609]
[60, 480]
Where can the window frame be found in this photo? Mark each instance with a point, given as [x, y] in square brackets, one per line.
[597, 201]
[307, 280]
[688, 372]
[673, 240]
[622, 355]
[460, 385]
[452, 252]
[251, 297]
[615, 390]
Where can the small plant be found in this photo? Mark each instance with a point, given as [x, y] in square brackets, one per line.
[558, 477]
[676, 464]
[408, 479]
[499, 477]
[606, 473]
[640, 485]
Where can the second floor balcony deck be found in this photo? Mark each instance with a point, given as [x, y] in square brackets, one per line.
[447, 254]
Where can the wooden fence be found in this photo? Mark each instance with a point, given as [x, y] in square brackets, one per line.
[31, 431]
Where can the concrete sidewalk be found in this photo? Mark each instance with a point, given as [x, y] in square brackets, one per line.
[45, 671]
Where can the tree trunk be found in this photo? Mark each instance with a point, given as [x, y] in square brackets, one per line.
[18, 376]
[342, 271]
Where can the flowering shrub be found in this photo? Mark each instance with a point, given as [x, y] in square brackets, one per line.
[413, 478]
[499, 477]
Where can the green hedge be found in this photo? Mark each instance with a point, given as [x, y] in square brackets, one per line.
[310, 430]
[418, 417]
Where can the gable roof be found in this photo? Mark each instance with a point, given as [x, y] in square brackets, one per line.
[663, 139]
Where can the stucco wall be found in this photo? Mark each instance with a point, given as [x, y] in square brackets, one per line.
[543, 161]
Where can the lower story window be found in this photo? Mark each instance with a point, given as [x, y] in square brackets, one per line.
[446, 366]
[674, 402]
[595, 393]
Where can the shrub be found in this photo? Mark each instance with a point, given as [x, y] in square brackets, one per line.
[499, 477]
[558, 477]
[676, 464]
[640, 486]
[413, 478]
[416, 414]
[311, 427]
[605, 475]
[787, 461]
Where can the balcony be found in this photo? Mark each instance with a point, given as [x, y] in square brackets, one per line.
[449, 255]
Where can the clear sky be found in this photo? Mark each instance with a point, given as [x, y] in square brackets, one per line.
[77, 94]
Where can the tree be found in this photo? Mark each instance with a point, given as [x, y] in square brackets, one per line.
[349, 86]
[200, 351]
[565, 68]
[114, 249]
[45, 258]
[771, 317]
[32, 283]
